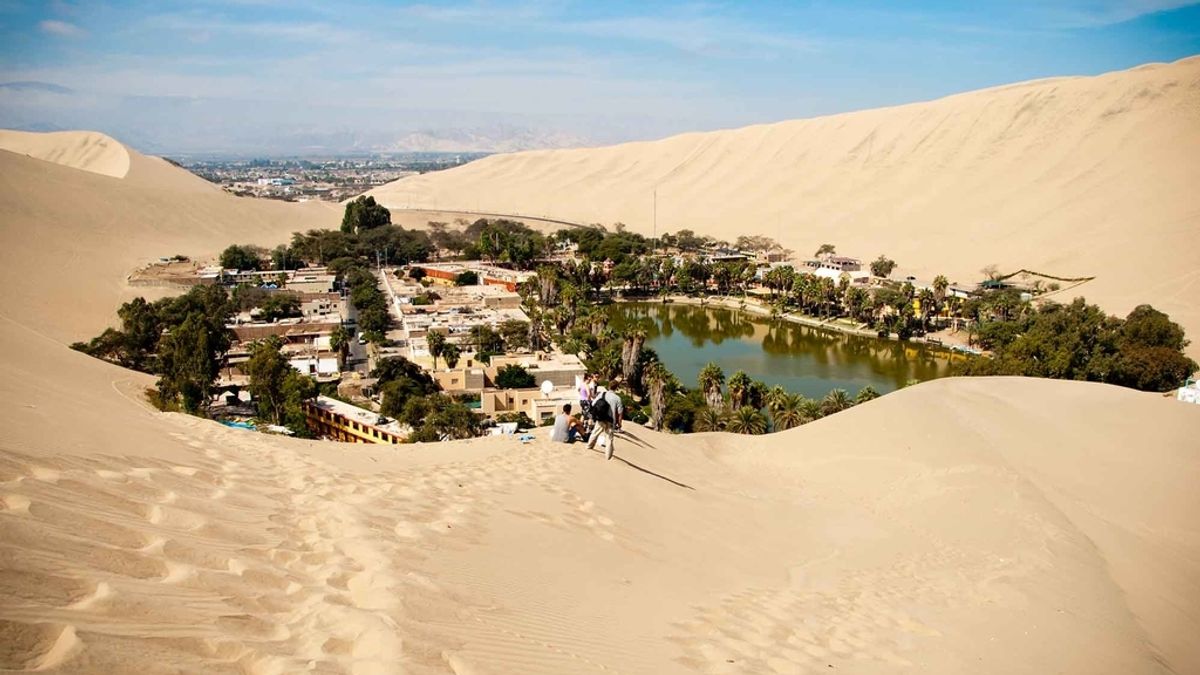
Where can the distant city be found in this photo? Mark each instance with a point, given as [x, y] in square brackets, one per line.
[327, 178]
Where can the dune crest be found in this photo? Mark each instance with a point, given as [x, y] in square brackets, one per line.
[1077, 176]
[84, 150]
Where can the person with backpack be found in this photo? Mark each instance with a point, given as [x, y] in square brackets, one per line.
[607, 413]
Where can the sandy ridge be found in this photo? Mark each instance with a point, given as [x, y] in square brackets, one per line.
[84, 150]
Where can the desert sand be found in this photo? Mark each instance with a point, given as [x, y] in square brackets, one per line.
[1072, 177]
[986, 525]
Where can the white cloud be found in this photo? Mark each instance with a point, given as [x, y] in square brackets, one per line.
[60, 28]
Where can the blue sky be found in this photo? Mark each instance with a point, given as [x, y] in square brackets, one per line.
[208, 72]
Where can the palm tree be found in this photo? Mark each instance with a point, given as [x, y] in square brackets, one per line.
[659, 380]
[746, 420]
[451, 353]
[339, 341]
[775, 399]
[630, 351]
[835, 401]
[708, 419]
[789, 412]
[711, 380]
[865, 394]
[811, 410]
[437, 345]
[739, 387]
[940, 284]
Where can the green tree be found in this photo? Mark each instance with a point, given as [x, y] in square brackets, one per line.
[865, 394]
[400, 379]
[513, 376]
[711, 381]
[280, 305]
[238, 257]
[746, 420]
[437, 345]
[451, 354]
[268, 370]
[660, 383]
[775, 399]
[283, 258]
[789, 412]
[487, 342]
[709, 419]
[515, 334]
[466, 278]
[190, 363]
[883, 266]
[441, 418]
[363, 214]
[298, 389]
[339, 341]
[835, 401]
[739, 387]
[825, 249]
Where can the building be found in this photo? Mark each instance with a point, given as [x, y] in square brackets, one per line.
[340, 421]
[319, 363]
[446, 274]
[460, 379]
[539, 406]
[321, 306]
[562, 370]
[311, 280]
[292, 331]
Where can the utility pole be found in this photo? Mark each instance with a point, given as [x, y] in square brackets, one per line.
[654, 232]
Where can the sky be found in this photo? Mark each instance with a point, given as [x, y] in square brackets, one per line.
[284, 76]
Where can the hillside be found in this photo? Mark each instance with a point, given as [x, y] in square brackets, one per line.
[986, 525]
[86, 150]
[1073, 177]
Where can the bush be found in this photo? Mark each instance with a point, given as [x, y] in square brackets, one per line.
[467, 278]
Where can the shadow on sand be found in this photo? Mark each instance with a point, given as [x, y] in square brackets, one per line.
[634, 440]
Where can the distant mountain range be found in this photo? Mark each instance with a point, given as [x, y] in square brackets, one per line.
[181, 125]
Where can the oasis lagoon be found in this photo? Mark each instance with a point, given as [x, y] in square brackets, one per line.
[802, 359]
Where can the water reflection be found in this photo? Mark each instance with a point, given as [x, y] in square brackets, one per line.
[801, 358]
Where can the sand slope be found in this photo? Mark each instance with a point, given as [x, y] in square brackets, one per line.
[86, 150]
[1073, 177]
[68, 234]
[986, 525]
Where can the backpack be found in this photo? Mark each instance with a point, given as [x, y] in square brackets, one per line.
[601, 411]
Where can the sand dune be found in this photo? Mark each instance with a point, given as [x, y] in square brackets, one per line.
[86, 150]
[1070, 176]
[985, 525]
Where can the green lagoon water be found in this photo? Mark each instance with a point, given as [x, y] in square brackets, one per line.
[802, 359]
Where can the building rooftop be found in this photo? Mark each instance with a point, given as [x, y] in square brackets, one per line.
[361, 415]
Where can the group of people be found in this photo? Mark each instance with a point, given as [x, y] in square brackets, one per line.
[600, 415]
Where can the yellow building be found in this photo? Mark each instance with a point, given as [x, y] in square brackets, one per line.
[340, 421]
